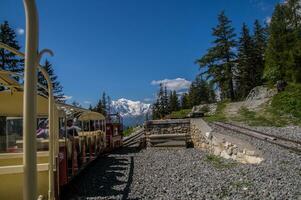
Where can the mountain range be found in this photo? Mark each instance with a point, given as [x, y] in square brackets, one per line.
[133, 112]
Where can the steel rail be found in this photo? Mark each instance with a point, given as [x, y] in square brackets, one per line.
[293, 146]
[266, 134]
[132, 138]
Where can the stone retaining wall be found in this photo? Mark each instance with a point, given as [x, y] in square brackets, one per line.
[169, 126]
[222, 145]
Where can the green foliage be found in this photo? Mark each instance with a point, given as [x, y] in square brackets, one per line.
[250, 61]
[288, 102]
[218, 162]
[200, 92]
[185, 101]
[173, 101]
[56, 85]
[219, 114]
[284, 109]
[103, 105]
[218, 63]
[161, 107]
[179, 114]
[283, 54]
[256, 119]
[8, 60]
[128, 131]
[260, 43]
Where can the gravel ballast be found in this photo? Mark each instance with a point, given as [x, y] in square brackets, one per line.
[190, 174]
[291, 132]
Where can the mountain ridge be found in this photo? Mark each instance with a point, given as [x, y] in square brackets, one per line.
[133, 112]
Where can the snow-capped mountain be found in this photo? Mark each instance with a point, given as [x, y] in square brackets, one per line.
[133, 112]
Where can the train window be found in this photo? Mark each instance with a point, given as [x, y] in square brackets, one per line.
[12, 140]
[115, 131]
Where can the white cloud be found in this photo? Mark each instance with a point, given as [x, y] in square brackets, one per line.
[268, 20]
[20, 31]
[87, 102]
[173, 84]
[65, 97]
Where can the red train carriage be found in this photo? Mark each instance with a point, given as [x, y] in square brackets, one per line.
[114, 129]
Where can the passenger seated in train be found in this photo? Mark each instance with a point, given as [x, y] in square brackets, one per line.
[71, 129]
[42, 131]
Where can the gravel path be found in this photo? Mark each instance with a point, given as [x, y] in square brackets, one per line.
[189, 174]
[292, 132]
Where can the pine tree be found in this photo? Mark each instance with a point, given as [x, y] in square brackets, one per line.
[99, 107]
[165, 102]
[90, 107]
[200, 92]
[246, 72]
[109, 104]
[185, 101]
[104, 104]
[283, 54]
[219, 60]
[8, 60]
[161, 107]
[294, 21]
[155, 110]
[57, 88]
[161, 100]
[259, 45]
[276, 55]
[173, 101]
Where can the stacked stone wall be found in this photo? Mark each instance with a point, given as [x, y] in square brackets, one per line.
[170, 126]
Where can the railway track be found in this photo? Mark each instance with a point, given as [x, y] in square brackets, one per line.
[133, 139]
[290, 144]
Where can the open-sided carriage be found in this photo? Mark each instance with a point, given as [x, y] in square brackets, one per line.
[85, 140]
[79, 136]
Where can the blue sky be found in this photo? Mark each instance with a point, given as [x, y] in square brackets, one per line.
[126, 47]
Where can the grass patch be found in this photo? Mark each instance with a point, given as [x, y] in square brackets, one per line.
[257, 119]
[287, 104]
[128, 131]
[218, 162]
[241, 184]
[219, 114]
[284, 109]
[179, 114]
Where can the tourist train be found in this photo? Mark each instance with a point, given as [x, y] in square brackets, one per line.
[79, 135]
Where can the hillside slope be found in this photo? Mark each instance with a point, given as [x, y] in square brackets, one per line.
[262, 107]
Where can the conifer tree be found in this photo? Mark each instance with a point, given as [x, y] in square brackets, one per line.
[173, 101]
[185, 101]
[259, 45]
[99, 107]
[200, 92]
[246, 71]
[219, 60]
[109, 104]
[165, 102]
[104, 103]
[8, 60]
[155, 110]
[57, 88]
[276, 56]
[283, 54]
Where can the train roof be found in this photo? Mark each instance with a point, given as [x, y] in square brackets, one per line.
[90, 115]
[11, 98]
